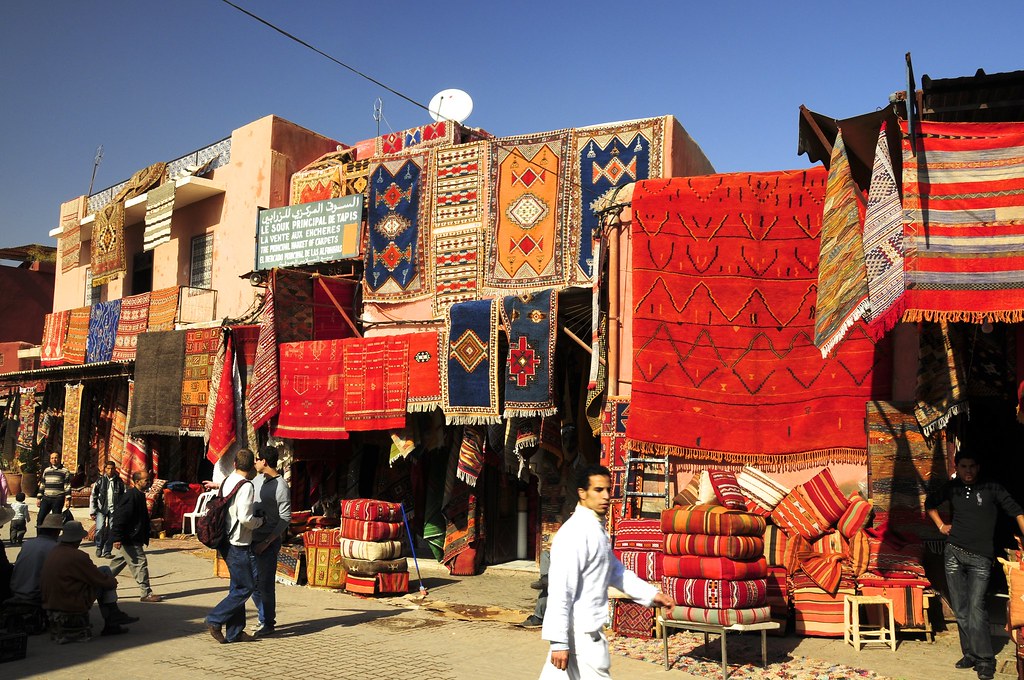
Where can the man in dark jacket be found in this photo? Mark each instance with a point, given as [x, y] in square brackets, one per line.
[130, 532]
[106, 494]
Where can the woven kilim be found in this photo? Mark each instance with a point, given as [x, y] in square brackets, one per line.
[55, 332]
[70, 242]
[159, 209]
[842, 278]
[696, 566]
[531, 322]
[632, 619]
[376, 382]
[716, 593]
[734, 547]
[118, 423]
[355, 178]
[311, 397]
[398, 219]
[291, 565]
[28, 408]
[940, 375]
[613, 431]
[457, 267]
[883, 243]
[134, 458]
[644, 563]
[107, 247]
[293, 305]
[963, 215]
[713, 520]
[441, 133]
[103, 319]
[424, 372]
[318, 184]
[330, 293]
[262, 398]
[366, 530]
[371, 510]
[724, 367]
[527, 213]
[471, 454]
[639, 534]
[469, 363]
[201, 347]
[72, 424]
[163, 309]
[221, 423]
[134, 319]
[607, 156]
[159, 373]
[720, 617]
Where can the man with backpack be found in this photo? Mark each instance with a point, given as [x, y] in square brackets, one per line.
[232, 513]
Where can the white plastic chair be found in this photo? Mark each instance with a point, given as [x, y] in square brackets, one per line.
[198, 511]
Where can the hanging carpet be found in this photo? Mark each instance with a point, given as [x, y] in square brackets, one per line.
[78, 333]
[72, 424]
[28, 407]
[134, 458]
[311, 391]
[163, 309]
[531, 323]
[103, 320]
[469, 364]
[440, 133]
[55, 333]
[201, 345]
[883, 243]
[221, 424]
[963, 216]
[321, 179]
[134, 320]
[159, 372]
[159, 209]
[355, 178]
[70, 242]
[724, 367]
[424, 372]
[118, 422]
[376, 383]
[262, 397]
[940, 376]
[107, 248]
[329, 294]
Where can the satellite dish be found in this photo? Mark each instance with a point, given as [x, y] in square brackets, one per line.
[451, 104]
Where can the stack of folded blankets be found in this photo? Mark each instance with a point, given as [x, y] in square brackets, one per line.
[371, 547]
[714, 564]
[640, 546]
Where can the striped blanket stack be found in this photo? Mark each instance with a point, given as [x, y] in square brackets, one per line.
[371, 547]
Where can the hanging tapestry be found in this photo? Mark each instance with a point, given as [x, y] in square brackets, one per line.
[28, 407]
[201, 345]
[724, 367]
[221, 424]
[163, 309]
[469, 364]
[311, 391]
[262, 398]
[531, 323]
[376, 382]
[103, 318]
[441, 133]
[118, 422]
[613, 431]
[355, 179]
[293, 305]
[527, 214]
[159, 209]
[134, 458]
[842, 279]
[398, 220]
[333, 295]
[55, 332]
[159, 372]
[940, 376]
[321, 179]
[78, 333]
[963, 217]
[70, 241]
[107, 247]
[134, 319]
[460, 204]
[424, 372]
[883, 242]
[471, 454]
[72, 425]
[607, 157]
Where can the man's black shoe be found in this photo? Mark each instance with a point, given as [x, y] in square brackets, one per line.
[985, 671]
[540, 584]
[965, 662]
[531, 622]
[113, 630]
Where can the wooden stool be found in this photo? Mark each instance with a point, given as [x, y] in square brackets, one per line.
[853, 632]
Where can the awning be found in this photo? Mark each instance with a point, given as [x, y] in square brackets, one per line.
[70, 373]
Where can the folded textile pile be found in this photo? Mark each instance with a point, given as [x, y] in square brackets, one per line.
[640, 546]
[371, 547]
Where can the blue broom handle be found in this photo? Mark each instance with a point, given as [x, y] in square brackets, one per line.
[412, 547]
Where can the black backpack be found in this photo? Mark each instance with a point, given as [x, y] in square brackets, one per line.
[211, 528]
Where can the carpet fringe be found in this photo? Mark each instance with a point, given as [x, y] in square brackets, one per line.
[532, 413]
[853, 317]
[472, 420]
[466, 477]
[701, 459]
[422, 406]
[941, 422]
[881, 325]
[959, 315]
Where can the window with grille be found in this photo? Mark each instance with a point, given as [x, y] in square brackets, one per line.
[202, 261]
[93, 294]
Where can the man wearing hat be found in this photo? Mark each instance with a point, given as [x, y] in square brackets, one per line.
[70, 583]
[29, 565]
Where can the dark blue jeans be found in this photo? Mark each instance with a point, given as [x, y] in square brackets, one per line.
[265, 597]
[967, 575]
[230, 612]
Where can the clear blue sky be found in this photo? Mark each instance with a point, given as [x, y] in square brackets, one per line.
[151, 81]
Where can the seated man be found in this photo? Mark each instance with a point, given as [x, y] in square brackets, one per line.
[29, 565]
[70, 583]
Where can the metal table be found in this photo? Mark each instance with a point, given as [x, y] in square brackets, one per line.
[722, 631]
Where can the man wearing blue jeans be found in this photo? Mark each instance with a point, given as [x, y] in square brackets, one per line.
[974, 505]
[274, 505]
[226, 623]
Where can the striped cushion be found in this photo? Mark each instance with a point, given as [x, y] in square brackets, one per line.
[639, 534]
[756, 509]
[712, 520]
[690, 495]
[706, 492]
[825, 497]
[818, 613]
[371, 510]
[374, 567]
[370, 550]
[396, 582]
[907, 597]
[722, 617]
[362, 530]
[781, 550]
[855, 517]
[695, 566]
[735, 547]
[361, 585]
[646, 564]
[831, 543]
[796, 516]
[727, 491]
[799, 581]
[716, 593]
[860, 553]
[824, 570]
[895, 562]
[760, 488]
[778, 592]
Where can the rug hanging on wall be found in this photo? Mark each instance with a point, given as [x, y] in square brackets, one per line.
[963, 192]
[78, 333]
[724, 367]
[883, 242]
[72, 425]
[398, 220]
[201, 345]
[528, 212]
[118, 423]
[55, 332]
[607, 157]
[531, 322]
[376, 383]
[613, 432]
[469, 364]
[159, 372]
[262, 397]
[940, 375]
[440, 133]
[321, 179]
[221, 423]
[159, 209]
[355, 178]
[134, 458]
[311, 390]
[134, 320]
[70, 242]
[103, 319]
[424, 372]
[107, 247]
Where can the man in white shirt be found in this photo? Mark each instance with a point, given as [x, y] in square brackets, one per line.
[226, 623]
[582, 567]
